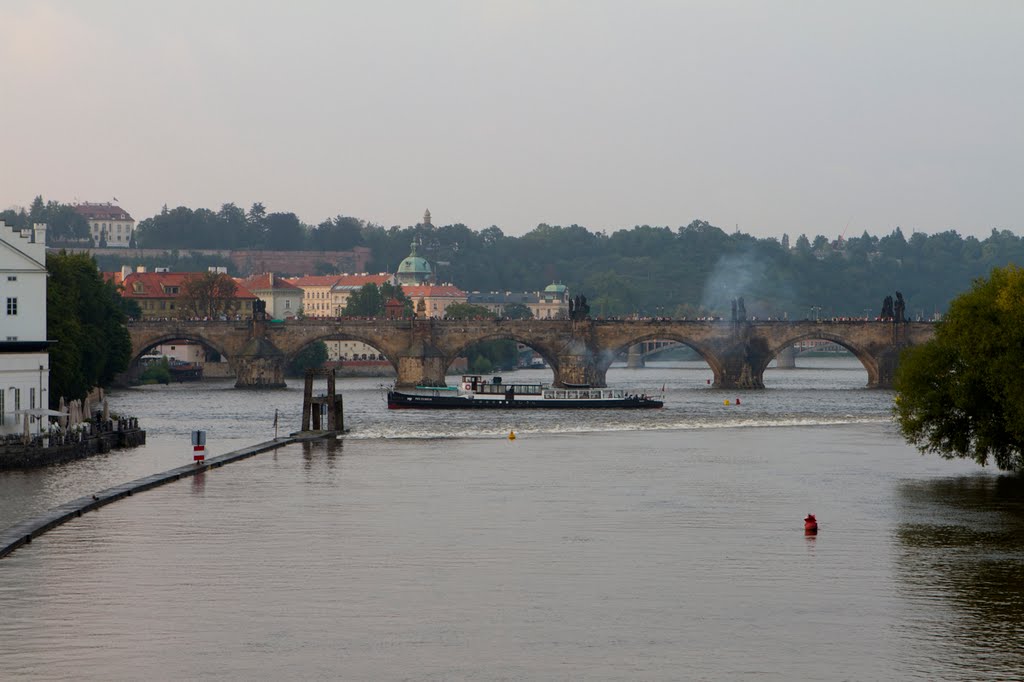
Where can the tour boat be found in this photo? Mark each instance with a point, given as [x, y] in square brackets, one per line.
[474, 391]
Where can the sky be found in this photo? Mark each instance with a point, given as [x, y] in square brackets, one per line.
[796, 117]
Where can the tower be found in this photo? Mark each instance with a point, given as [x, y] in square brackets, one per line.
[426, 219]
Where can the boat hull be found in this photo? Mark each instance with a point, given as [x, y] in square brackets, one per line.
[399, 401]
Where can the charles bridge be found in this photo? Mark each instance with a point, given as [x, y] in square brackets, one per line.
[578, 351]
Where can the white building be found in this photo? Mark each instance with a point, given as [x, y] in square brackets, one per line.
[283, 299]
[109, 224]
[24, 361]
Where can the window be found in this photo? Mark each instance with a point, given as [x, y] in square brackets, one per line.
[32, 398]
[12, 278]
[12, 306]
[3, 418]
[17, 399]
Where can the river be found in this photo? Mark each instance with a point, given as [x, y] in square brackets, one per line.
[611, 545]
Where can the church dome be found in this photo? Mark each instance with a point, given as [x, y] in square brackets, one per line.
[413, 269]
[555, 289]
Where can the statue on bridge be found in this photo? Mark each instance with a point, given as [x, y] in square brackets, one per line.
[579, 309]
[887, 311]
[894, 311]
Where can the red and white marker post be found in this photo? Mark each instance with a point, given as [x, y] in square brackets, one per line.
[198, 446]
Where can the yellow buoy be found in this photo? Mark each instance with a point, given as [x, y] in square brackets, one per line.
[511, 435]
[725, 402]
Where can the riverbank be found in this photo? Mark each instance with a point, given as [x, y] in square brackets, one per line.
[56, 448]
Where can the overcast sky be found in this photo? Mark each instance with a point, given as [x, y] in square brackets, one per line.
[797, 117]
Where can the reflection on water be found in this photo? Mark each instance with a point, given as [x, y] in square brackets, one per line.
[662, 545]
[960, 569]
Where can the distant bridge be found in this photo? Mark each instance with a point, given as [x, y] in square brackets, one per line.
[577, 351]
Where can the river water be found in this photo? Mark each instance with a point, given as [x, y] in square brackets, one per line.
[612, 545]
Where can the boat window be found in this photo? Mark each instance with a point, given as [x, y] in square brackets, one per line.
[549, 394]
[572, 395]
[617, 393]
[560, 395]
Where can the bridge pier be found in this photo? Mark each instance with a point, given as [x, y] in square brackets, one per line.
[886, 369]
[259, 365]
[579, 369]
[786, 359]
[421, 365]
[635, 357]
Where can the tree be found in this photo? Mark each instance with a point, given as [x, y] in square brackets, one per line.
[366, 302]
[312, 356]
[468, 311]
[960, 394]
[210, 294]
[518, 311]
[84, 315]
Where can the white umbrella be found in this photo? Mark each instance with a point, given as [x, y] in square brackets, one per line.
[62, 420]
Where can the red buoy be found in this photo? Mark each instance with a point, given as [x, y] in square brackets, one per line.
[810, 525]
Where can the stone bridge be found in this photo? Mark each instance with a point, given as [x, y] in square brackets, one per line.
[579, 352]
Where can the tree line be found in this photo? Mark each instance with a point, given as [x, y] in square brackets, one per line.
[645, 270]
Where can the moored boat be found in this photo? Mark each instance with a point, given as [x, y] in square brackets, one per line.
[475, 392]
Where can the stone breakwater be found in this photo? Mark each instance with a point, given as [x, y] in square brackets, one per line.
[23, 533]
[58, 448]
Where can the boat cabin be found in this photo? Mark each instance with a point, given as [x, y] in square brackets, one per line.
[478, 384]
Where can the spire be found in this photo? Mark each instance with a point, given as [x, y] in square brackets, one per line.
[426, 218]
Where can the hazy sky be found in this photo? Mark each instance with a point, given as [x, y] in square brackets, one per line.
[798, 117]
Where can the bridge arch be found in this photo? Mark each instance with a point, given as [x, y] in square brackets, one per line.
[374, 342]
[866, 358]
[706, 353]
[549, 354]
[139, 348]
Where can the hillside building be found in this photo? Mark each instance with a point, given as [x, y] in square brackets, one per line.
[109, 224]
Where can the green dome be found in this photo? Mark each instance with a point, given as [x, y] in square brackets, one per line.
[555, 289]
[413, 269]
[414, 265]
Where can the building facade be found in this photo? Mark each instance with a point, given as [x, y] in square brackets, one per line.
[24, 360]
[550, 304]
[283, 298]
[109, 224]
[432, 300]
[160, 295]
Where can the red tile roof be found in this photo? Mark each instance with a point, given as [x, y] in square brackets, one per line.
[355, 281]
[155, 284]
[257, 282]
[314, 281]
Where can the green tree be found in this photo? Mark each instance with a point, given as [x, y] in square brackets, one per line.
[366, 302]
[369, 300]
[312, 356]
[468, 311]
[960, 394]
[85, 316]
[518, 311]
[157, 373]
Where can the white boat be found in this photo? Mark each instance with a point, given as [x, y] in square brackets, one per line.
[476, 392]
